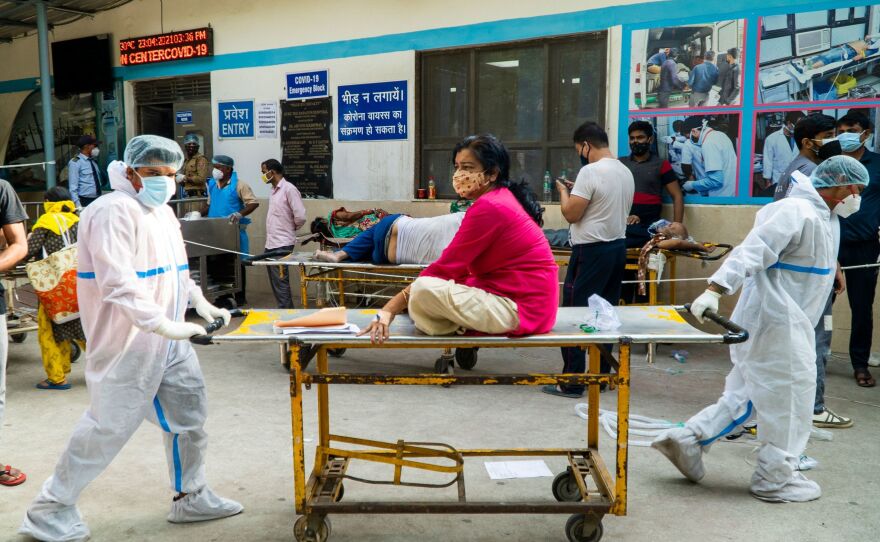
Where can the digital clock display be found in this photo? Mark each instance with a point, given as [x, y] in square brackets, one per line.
[168, 47]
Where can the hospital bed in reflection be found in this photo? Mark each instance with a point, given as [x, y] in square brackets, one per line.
[586, 489]
[808, 79]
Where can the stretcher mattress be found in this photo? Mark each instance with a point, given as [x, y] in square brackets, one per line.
[639, 325]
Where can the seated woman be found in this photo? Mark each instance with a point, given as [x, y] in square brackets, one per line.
[51, 233]
[399, 239]
[498, 274]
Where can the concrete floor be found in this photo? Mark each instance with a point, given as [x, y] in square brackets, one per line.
[249, 458]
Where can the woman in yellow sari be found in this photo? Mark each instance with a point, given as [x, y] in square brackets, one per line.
[46, 237]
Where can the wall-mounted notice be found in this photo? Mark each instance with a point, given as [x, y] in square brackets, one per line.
[306, 146]
[372, 111]
[267, 120]
[236, 119]
[307, 85]
[183, 117]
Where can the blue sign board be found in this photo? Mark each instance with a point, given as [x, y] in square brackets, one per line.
[373, 111]
[184, 117]
[236, 119]
[307, 85]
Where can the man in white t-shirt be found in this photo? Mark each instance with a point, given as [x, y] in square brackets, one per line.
[596, 207]
[719, 160]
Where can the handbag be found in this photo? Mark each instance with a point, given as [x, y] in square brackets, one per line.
[54, 281]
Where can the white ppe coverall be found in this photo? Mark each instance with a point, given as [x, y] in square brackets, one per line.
[132, 275]
[785, 267]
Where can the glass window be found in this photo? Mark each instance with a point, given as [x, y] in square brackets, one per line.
[860, 12]
[841, 14]
[810, 19]
[510, 96]
[532, 95]
[446, 96]
[775, 22]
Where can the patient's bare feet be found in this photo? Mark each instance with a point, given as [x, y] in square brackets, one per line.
[327, 256]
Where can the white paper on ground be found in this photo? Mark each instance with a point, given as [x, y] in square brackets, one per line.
[344, 329]
[502, 470]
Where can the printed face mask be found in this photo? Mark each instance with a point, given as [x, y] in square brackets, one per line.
[467, 183]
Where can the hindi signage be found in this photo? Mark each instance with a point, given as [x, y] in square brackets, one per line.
[373, 111]
[306, 146]
[197, 43]
[236, 119]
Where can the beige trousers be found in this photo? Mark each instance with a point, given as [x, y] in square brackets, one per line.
[442, 307]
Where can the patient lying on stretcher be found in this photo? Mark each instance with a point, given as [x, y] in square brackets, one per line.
[399, 239]
[668, 235]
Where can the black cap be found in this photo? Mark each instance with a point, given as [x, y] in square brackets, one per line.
[690, 123]
[86, 140]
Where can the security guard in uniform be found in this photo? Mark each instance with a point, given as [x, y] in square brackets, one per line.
[83, 174]
[196, 168]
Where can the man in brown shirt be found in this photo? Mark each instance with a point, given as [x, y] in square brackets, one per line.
[196, 168]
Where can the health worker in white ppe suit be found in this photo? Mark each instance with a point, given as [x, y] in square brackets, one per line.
[785, 267]
[133, 285]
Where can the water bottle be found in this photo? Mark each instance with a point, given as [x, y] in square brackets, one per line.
[432, 188]
[548, 192]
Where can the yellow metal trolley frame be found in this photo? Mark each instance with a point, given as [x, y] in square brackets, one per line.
[587, 489]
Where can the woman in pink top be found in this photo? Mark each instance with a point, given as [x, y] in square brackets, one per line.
[498, 275]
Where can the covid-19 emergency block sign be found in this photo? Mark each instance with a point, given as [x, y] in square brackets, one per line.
[307, 85]
[235, 119]
[372, 111]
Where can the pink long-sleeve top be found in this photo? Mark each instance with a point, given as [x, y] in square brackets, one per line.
[501, 250]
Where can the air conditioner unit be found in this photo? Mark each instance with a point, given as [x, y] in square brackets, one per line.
[807, 43]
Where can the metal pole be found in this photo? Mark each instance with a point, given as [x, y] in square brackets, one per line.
[46, 93]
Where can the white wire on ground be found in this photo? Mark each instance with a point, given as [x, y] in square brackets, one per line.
[223, 249]
[704, 279]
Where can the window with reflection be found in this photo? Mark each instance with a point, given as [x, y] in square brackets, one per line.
[531, 94]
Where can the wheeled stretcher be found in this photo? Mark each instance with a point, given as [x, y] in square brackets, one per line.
[587, 490]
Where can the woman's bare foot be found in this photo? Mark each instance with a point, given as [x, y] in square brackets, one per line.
[327, 256]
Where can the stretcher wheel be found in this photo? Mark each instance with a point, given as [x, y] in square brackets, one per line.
[337, 352]
[75, 351]
[565, 488]
[579, 529]
[303, 532]
[18, 337]
[466, 358]
[443, 364]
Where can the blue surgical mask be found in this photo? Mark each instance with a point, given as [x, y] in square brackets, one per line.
[157, 190]
[850, 142]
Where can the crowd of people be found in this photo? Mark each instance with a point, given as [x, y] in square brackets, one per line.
[494, 273]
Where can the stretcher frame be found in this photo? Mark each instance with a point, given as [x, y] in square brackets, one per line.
[586, 489]
[632, 264]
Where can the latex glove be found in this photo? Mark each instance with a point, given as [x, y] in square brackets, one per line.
[688, 186]
[234, 218]
[708, 301]
[180, 177]
[179, 331]
[667, 139]
[206, 310]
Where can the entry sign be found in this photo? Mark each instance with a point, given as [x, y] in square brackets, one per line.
[307, 85]
[184, 117]
[236, 119]
[372, 111]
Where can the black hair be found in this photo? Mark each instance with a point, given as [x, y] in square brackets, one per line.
[677, 125]
[733, 52]
[855, 117]
[493, 156]
[812, 124]
[641, 126]
[592, 133]
[58, 193]
[794, 116]
[274, 165]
